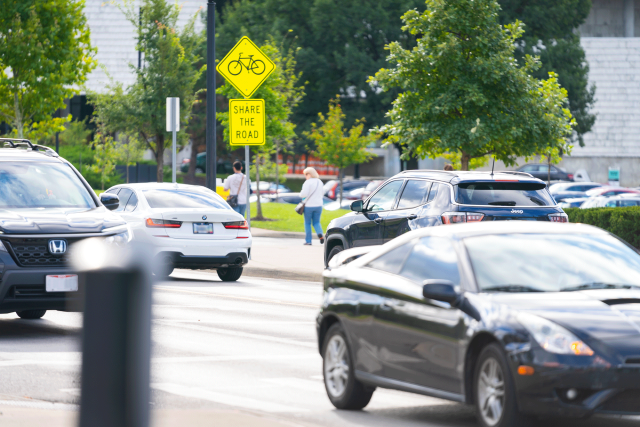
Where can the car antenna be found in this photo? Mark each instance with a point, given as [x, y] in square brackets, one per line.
[493, 165]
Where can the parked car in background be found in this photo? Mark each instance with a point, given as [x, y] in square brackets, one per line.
[332, 188]
[572, 203]
[224, 166]
[519, 319]
[541, 171]
[569, 190]
[422, 198]
[269, 188]
[610, 191]
[371, 187]
[189, 226]
[621, 200]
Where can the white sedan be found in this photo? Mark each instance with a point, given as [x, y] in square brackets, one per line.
[188, 226]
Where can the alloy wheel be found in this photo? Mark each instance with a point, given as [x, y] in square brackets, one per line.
[491, 392]
[336, 366]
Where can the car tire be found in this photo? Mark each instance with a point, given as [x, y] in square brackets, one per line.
[494, 391]
[343, 389]
[163, 268]
[229, 274]
[334, 250]
[31, 314]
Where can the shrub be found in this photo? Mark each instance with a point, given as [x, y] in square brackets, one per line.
[623, 222]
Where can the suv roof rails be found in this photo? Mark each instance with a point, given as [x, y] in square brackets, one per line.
[429, 170]
[15, 142]
[517, 173]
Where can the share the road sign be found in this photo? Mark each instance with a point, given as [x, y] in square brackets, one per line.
[246, 67]
[246, 122]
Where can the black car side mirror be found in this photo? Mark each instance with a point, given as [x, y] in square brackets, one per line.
[110, 201]
[356, 206]
[440, 290]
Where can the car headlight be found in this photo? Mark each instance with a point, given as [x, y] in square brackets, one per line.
[552, 337]
[120, 239]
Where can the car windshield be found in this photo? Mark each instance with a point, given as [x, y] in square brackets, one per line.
[552, 262]
[503, 194]
[41, 185]
[180, 198]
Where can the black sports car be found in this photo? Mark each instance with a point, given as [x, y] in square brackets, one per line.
[518, 318]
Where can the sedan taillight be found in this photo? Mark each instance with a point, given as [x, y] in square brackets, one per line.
[162, 223]
[236, 225]
[459, 217]
[559, 217]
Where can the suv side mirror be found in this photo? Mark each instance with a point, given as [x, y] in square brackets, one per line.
[356, 206]
[110, 201]
[440, 290]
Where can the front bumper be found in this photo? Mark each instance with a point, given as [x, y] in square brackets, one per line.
[598, 388]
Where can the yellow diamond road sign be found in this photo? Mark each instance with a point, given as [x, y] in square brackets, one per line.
[246, 122]
[246, 67]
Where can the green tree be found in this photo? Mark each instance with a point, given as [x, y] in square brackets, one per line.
[169, 71]
[463, 91]
[128, 151]
[281, 92]
[45, 55]
[550, 33]
[105, 154]
[338, 146]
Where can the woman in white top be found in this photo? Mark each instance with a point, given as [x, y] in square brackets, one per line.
[312, 192]
[236, 184]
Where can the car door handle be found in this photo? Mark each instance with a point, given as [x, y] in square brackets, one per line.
[378, 220]
[412, 216]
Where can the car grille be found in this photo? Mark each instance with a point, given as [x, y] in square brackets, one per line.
[31, 291]
[35, 252]
[627, 401]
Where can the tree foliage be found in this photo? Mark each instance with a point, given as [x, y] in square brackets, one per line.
[45, 55]
[336, 145]
[550, 33]
[169, 71]
[463, 91]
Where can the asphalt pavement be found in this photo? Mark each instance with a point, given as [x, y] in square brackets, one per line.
[224, 354]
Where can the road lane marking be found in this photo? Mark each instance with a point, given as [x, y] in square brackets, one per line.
[236, 333]
[232, 358]
[225, 398]
[260, 300]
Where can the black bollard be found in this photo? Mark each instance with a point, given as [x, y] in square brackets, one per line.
[116, 336]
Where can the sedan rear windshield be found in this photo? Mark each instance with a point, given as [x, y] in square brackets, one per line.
[503, 194]
[42, 185]
[170, 198]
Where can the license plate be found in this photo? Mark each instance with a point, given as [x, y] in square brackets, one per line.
[202, 228]
[62, 283]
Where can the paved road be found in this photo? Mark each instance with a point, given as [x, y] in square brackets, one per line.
[243, 348]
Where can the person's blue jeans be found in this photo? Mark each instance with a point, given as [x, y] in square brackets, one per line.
[312, 216]
[240, 209]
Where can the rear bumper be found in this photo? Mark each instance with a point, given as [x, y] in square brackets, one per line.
[233, 259]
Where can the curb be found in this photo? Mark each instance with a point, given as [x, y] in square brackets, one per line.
[261, 232]
[281, 274]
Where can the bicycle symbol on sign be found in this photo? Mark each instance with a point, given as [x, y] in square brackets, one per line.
[254, 65]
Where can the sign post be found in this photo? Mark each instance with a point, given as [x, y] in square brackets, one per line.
[246, 67]
[173, 125]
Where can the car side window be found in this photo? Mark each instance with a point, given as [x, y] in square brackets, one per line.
[384, 199]
[434, 191]
[132, 204]
[628, 203]
[611, 204]
[392, 261]
[414, 193]
[529, 168]
[123, 195]
[432, 258]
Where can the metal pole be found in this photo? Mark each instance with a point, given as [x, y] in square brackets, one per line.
[211, 95]
[174, 125]
[139, 37]
[247, 164]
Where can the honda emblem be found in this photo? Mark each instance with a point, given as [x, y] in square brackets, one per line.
[57, 246]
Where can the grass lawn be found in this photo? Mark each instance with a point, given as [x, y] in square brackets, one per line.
[286, 218]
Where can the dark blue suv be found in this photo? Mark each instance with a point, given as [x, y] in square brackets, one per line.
[423, 198]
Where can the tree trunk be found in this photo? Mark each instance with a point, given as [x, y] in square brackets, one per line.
[277, 170]
[549, 170]
[295, 161]
[464, 161]
[160, 157]
[306, 160]
[18, 113]
[258, 216]
[191, 173]
[126, 166]
[341, 178]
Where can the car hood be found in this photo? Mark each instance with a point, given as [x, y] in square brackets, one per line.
[609, 316]
[57, 220]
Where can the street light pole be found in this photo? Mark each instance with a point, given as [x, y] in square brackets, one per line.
[211, 95]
